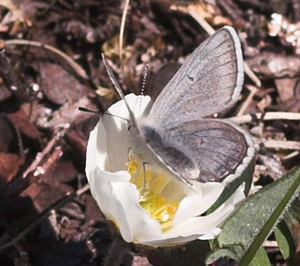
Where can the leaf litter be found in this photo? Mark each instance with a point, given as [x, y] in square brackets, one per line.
[44, 204]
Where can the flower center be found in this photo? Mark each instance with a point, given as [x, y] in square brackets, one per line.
[159, 194]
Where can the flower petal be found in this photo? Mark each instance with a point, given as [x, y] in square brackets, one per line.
[196, 203]
[118, 200]
[109, 141]
[202, 227]
[205, 226]
[104, 193]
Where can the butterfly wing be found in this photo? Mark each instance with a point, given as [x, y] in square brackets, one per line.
[174, 138]
[204, 150]
[208, 82]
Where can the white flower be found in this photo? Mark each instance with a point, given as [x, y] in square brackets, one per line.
[148, 208]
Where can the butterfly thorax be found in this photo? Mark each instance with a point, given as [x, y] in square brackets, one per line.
[145, 143]
[152, 146]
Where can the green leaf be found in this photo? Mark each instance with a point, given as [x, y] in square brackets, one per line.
[220, 253]
[285, 241]
[288, 237]
[261, 258]
[244, 232]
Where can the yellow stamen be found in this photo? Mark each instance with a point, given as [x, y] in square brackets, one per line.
[151, 186]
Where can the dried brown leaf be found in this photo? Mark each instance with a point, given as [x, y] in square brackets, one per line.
[273, 65]
[9, 167]
[21, 121]
[59, 85]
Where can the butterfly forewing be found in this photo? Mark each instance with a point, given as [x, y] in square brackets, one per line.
[208, 82]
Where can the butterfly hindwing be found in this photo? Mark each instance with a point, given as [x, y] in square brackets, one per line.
[209, 149]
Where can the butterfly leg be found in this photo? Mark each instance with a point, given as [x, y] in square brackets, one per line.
[144, 178]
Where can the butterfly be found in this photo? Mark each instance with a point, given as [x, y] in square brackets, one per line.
[176, 136]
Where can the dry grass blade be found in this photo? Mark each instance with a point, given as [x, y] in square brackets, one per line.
[77, 68]
[248, 101]
[266, 116]
[280, 144]
[122, 28]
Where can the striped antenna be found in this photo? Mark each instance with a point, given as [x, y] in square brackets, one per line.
[145, 76]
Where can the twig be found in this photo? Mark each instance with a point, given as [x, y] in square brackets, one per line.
[252, 76]
[77, 68]
[52, 158]
[290, 155]
[282, 144]
[122, 28]
[270, 244]
[246, 103]
[266, 116]
[39, 157]
[193, 12]
[44, 215]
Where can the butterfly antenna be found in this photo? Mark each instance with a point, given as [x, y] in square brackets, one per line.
[145, 76]
[118, 89]
[83, 109]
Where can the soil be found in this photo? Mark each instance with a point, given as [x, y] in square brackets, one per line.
[47, 215]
